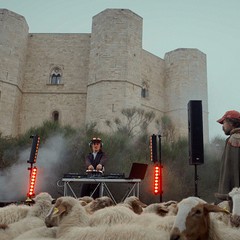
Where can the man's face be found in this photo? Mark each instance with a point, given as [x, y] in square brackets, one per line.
[227, 127]
[96, 146]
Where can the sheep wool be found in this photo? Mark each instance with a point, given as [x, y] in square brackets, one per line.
[13, 213]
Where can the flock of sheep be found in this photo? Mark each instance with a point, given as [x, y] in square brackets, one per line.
[68, 218]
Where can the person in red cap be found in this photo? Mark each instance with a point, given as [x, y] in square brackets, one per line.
[94, 161]
[230, 162]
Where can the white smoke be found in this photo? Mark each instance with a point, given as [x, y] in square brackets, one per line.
[14, 181]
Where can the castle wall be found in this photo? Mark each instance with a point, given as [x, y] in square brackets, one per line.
[153, 74]
[101, 74]
[69, 52]
[13, 46]
[71, 108]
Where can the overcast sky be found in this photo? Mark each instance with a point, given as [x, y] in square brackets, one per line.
[212, 26]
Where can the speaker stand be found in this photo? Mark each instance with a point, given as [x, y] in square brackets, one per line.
[196, 180]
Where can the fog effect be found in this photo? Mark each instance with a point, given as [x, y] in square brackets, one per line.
[14, 180]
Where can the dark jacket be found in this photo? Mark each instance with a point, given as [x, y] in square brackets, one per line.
[230, 163]
[100, 158]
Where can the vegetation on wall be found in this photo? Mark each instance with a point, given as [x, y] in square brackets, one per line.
[134, 121]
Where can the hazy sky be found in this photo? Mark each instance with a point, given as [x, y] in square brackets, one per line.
[212, 26]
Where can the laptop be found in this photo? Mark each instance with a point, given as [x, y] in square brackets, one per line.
[138, 171]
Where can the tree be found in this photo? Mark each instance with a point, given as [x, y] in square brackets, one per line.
[167, 129]
[133, 122]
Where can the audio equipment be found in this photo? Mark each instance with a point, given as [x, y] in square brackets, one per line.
[95, 140]
[195, 132]
[85, 176]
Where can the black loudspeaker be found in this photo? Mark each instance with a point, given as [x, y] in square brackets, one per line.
[195, 132]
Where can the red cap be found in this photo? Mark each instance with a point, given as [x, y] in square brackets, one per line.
[229, 114]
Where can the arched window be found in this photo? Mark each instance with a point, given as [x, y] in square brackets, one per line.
[55, 116]
[56, 76]
[144, 91]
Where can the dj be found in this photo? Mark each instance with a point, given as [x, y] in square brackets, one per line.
[94, 162]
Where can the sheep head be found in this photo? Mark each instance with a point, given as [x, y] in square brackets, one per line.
[86, 199]
[99, 203]
[192, 221]
[64, 206]
[157, 208]
[43, 196]
[55, 214]
[235, 217]
[135, 204]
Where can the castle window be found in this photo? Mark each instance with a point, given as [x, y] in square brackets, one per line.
[55, 116]
[56, 79]
[144, 93]
[56, 76]
[144, 90]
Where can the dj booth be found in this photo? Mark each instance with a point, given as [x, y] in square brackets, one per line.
[102, 181]
[102, 184]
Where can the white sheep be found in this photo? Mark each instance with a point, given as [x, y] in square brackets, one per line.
[112, 215]
[34, 218]
[134, 204]
[66, 212]
[116, 232]
[98, 203]
[158, 215]
[220, 231]
[85, 200]
[162, 209]
[72, 221]
[13, 213]
[225, 218]
[15, 229]
[43, 203]
[232, 205]
[39, 232]
[155, 221]
[235, 216]
[172, 207]
[121, 213]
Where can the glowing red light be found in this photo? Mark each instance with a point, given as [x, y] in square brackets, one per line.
[157, 188]
[32, 182]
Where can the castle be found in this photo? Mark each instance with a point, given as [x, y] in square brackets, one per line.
[90, 77]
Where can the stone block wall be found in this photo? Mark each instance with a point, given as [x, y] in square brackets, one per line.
[102, 72]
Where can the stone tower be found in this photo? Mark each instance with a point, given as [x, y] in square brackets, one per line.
[115, 64]
[186, 79]
[13, 49]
